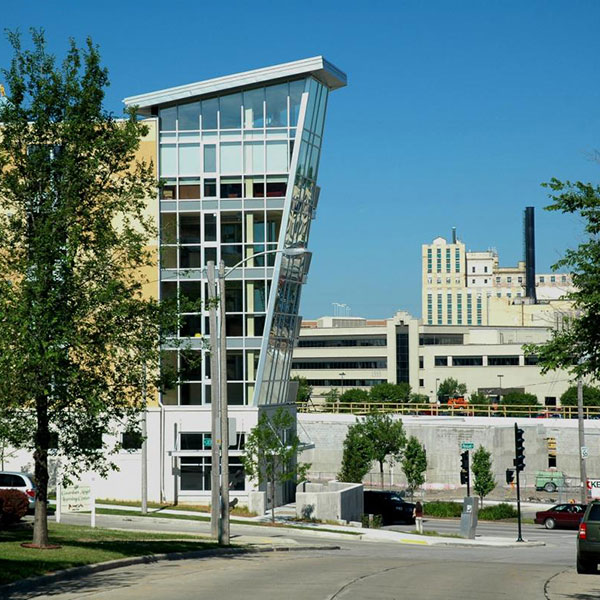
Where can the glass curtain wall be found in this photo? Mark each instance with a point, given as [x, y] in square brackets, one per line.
[224, 167]
[284, 321]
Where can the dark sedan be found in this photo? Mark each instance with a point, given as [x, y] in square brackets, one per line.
[390, 505]
[561, 515]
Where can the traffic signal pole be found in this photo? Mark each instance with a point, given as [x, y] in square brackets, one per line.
[518, 455]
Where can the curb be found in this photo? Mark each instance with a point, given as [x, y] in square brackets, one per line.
[31, 583]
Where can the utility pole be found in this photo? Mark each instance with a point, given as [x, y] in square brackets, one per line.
[144, 444]
[215, 509]
[224, 530]
[580, 423]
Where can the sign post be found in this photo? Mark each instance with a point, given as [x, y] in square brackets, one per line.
[79, 498]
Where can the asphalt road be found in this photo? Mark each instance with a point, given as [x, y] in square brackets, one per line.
[490, 528]
[359, 571]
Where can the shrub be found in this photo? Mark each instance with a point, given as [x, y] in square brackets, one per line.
[495, 513]
[13, 506]
[375, 524]
[443, 510]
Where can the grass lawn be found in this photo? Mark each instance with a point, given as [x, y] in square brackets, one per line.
[82, 546]
[239, 511]
[128, 513]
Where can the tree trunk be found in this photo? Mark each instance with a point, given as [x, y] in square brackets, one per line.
[40, 457]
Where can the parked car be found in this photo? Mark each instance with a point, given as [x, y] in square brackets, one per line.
[561, 515]
[549, 481]
[24, 482]
[588, 539]
[390, 505]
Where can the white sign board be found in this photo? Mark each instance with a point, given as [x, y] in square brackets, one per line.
[594, 488]
[584, 452]
[76, 498]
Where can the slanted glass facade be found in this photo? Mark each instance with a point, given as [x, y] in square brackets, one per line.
[238, 175]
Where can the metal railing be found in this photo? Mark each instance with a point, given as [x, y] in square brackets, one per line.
[445, 410]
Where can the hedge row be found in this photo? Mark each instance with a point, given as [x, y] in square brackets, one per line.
[454, 509]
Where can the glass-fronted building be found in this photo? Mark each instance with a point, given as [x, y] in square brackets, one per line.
[238, 158]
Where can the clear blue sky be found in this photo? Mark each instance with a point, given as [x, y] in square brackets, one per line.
[454, 114]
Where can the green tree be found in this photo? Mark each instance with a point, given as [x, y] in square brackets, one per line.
[386, 439]
[575, 347]
[481, 466]
[477, 398]
[521, 399]
[77, 333]
[591, 396]
[304, 390]
[390, 392]
[356, 459]
[450, 387]
[271, 450]
[414, 464]
[332, 396]
[419, 399]
[355, 395]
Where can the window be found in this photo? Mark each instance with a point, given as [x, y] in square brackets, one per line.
[209, 113]
[520, 279]
[421, 382]
[276, 96]
[563, 278]
[467, 361]
[552, 279]
[509, 279]
[230, 112]
[448, 261]
[429, 260]
[531, 360]
[254, 108]
[189, 116]
[473, 281]
[440, 339]
[338, 343]
[497, 361]
[438, 254]
[210, 158]
[485, 269]
[472, 269]
[440, 361]
[485, 281]
[421, 362]
[195, 473]
[131, 440]
[542, 279]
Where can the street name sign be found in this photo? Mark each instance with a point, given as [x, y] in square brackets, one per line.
[467, 446]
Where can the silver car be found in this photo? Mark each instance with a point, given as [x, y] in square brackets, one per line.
[24, 482]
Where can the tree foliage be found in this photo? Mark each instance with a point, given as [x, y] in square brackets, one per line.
[304, 390]
[450, 387]
[483, 478]
[414, 463]
[355, 395]
[76, 329]
[356, 458]
[576, 346]
[386, 439]
[390, 392]
[591, 396]
[271, 450]
[519, 399]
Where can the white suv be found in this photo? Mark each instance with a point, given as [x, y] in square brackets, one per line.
[13, 480]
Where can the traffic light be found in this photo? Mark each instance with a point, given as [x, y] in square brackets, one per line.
[464, 468]
[510, 476]
[519, 449]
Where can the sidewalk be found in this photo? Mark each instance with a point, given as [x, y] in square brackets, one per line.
[269, 535]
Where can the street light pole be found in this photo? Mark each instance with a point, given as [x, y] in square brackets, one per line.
[219, 513]
[144, 444]
[224, 442]
[500, 386]
[582, 469]
[215, 511]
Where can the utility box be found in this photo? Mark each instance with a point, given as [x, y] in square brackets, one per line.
[468, 517]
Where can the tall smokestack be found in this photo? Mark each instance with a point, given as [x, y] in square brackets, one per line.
[529, 230]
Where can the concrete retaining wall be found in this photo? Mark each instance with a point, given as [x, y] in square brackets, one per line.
[333, 500]
[442, 438]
